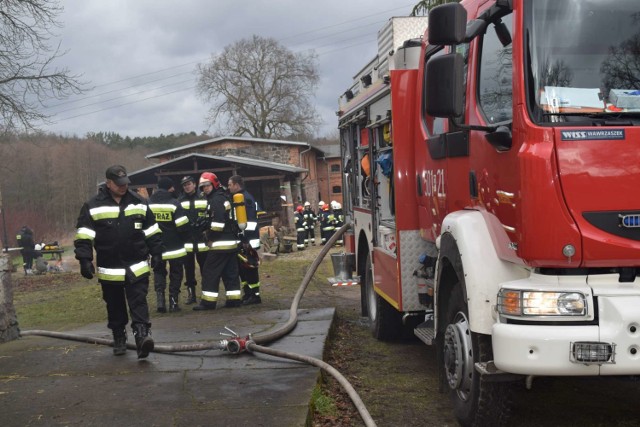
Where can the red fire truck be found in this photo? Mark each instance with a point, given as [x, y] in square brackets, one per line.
[492, 176]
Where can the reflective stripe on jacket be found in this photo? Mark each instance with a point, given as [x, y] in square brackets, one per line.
[122, 234]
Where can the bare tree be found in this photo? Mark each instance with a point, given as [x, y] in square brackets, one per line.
[261, 89]
[424, 6]
[27, 74]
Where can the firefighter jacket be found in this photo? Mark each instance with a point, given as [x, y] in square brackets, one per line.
[301, 224]
[123, 235]
[310, 217]
[173, 223]
[195, 206]
[223, 233]
[327, 221]
[25, 238]
[338, 216]
[251, 233]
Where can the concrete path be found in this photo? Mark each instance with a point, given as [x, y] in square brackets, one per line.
[48, 381]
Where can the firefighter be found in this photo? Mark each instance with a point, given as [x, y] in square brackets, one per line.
[173, 223]
[327, 224]
[223, 241]
[27, 247]
[195, 205]
[120, 226]
[338, 218]
[311, 218]
[248, 259]
[301, 227]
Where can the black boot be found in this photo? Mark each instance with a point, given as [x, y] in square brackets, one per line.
[161, 307]
[246, 292]
[205, 305]
[191, 295]
[119, 342]
[144, 342]
[254, 298]
[173, 303]
[233, 303]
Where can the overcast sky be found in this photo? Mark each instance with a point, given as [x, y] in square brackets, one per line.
[139, 56]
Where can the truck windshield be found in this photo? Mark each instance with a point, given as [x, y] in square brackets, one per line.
[584, 58]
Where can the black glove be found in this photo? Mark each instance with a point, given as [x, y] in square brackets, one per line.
[156, 260]
[86, 269]
[202, 223]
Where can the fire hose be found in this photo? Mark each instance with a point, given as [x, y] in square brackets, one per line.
[235, 344]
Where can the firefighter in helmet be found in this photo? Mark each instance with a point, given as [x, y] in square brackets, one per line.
[327, 224]
[301, 227]
[222, 237]
[310, 218]
[338, 218]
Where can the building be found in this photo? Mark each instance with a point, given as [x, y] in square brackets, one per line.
[279, 174]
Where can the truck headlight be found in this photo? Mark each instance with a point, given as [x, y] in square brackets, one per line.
[539, 303]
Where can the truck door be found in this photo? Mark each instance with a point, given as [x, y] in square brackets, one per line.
[441, 166]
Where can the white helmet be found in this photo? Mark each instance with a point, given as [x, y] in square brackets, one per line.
[38, 247]
[307, 204]
[337, 206]
[321, 203]
[334, 204]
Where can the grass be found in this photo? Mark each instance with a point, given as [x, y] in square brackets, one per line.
[66, 300]
[57, 301]
[322, 404]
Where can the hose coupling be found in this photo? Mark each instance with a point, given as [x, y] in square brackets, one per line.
[236, 345]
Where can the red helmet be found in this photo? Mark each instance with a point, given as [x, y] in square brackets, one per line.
[325, 207]
[209, 177]
[299, 208]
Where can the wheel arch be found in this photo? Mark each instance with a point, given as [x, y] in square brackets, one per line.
[467, 256]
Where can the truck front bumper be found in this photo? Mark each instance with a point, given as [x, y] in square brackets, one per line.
[549, 349]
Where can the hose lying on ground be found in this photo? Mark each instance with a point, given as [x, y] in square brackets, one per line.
[253, 343]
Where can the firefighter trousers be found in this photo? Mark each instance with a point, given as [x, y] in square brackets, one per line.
[311, 234]
[300, 238]
[221, 265]
[176, 272]
[190, 267]
[249, 276]
[133, 294]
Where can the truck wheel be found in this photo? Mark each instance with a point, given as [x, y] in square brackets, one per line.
[476, 402]
[385, 320]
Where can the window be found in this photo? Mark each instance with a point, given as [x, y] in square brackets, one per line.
[495, 91]
[335, 168]
[336, 189]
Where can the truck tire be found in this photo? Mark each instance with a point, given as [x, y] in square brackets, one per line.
[385, 321]
[476, 402]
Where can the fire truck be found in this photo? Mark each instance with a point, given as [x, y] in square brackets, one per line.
[491, 159]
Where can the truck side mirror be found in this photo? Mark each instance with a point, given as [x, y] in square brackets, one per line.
[444, 91]
[447, 24]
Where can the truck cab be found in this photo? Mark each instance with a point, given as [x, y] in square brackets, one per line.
[513, 131]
